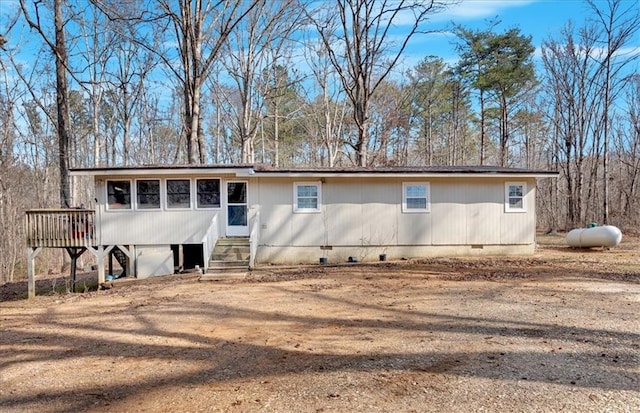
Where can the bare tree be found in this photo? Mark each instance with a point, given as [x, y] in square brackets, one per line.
[327, 113]
[256, 44]
[200, 27]
[357, 39]
[627, 146]
[572, 84]
[619, 21]
[58, 47]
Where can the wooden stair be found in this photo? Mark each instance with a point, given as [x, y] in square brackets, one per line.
[230, 255]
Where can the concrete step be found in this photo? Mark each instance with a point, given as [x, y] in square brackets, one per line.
[234, 241]
[223, 265]
[232, 256]
[231, 249]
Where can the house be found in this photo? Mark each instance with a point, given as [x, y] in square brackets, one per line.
[164, 217]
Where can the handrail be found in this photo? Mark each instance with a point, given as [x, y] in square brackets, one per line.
[209, 241]
[254, 236]
[60, 227]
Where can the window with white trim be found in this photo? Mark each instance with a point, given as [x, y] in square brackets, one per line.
[514, 193]
[208, 193]
[148, 194]
[307, 197]
[119, 194]
[178, 193]
[416, 197]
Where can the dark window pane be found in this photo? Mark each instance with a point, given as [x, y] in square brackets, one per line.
[237, 215]
[119, 194]
[148, 193]
[516, 203]
[515, 190]
[178, 193]
[208, 193]
[237, 192]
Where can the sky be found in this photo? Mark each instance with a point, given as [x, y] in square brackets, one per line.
[541, 19]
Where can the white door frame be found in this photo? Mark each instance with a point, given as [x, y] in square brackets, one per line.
[236, 230]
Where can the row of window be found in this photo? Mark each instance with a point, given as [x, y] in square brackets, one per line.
[416, 197]
[307, 196]
[177, 194]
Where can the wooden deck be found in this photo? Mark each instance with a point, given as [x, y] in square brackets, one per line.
[60, 228]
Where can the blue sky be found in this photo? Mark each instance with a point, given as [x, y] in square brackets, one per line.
[541, 19]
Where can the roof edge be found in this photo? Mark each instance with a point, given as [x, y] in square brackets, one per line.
[247, 170]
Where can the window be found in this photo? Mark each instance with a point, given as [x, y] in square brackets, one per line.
[208, 191]
[148, 194]
[514, 197]
[415, 197]
[178, 193]
[119, 194]
[307, 197]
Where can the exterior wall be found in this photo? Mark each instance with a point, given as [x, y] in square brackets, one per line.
[154, 227]
[363, 217]
[153, 260]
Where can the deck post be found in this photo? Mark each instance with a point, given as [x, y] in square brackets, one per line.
[100, 252]
[74, 254]
[32, 253]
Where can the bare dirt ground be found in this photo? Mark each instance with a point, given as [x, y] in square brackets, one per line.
[555, 332]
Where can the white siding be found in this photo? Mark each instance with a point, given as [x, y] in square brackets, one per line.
[484, 207]
[448, 206]
[380, 211]
[343, 211]
[366, 212]
[359, 216]
[152, 227]
[520, 227]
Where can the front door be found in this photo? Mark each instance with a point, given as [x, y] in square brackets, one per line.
[237, 210]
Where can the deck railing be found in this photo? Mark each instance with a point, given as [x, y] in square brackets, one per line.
[60, 228]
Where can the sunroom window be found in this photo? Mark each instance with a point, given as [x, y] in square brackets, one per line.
[119, 194]
[208, 191]
[178, 193]
[148, 194]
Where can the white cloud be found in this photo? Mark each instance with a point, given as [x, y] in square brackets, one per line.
[477, 9]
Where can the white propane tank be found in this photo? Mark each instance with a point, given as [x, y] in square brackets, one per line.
[604, 236]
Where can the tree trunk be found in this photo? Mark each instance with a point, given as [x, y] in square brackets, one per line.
[482, 127]
[62, 104]
[360, 116]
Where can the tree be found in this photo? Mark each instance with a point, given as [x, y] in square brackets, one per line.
[58, 47]
[572, 81]
[433, 100]
[201, 28]
[473, 61]
[256, 44]
[500, 64]
[327, 112]
[357, 39]
[283, 108]
[619, 22]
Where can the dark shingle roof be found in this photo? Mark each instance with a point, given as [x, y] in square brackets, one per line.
[262, 169]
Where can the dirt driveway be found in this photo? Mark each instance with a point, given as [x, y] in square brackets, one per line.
[559, 331]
